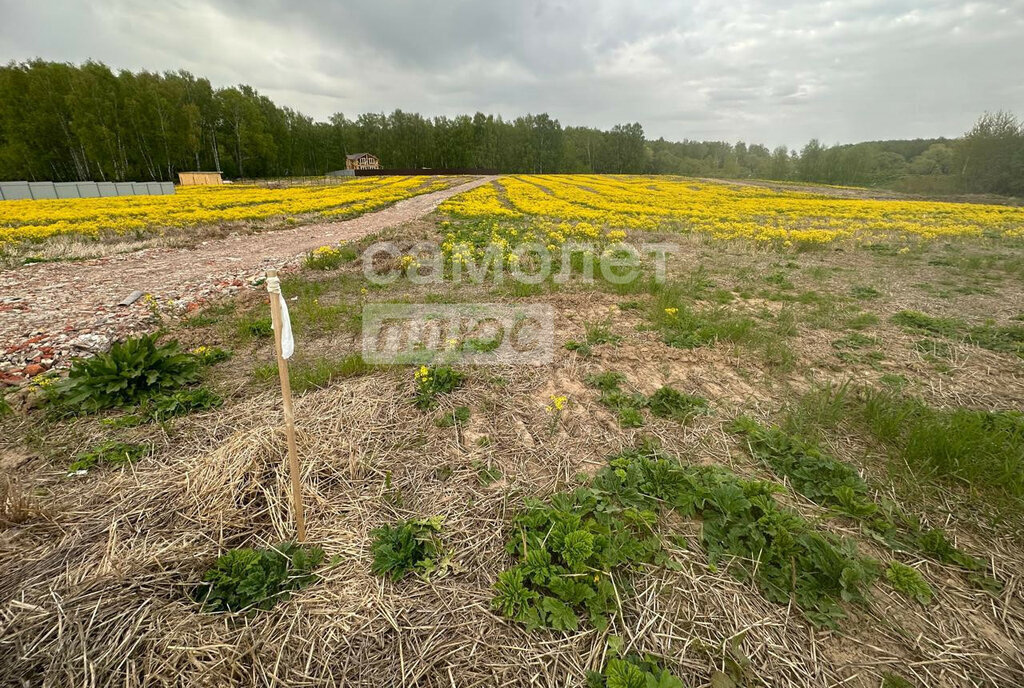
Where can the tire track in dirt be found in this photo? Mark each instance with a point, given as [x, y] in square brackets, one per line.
[46, 307]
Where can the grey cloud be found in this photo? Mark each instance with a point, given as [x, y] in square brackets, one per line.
[774, 72]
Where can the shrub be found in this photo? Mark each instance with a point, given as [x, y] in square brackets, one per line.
[909, 582]
[249, 579]
[670, 403]
[133, 370]
[110, 452]
[431, 382]
[410, 547]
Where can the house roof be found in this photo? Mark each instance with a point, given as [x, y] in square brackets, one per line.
[354, 156]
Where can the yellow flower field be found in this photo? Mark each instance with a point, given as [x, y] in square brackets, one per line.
[724, 210]
[190, 206]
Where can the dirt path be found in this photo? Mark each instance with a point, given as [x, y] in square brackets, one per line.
[46, 308]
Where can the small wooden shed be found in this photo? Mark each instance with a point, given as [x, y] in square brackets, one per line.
[362, 161]
[199, 178]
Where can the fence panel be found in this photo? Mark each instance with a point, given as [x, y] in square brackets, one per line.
[17, 191]
[88, 190]
[66, 189]
[42, 190]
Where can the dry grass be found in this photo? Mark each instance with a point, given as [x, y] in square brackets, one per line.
[97, 594]
[95, 572]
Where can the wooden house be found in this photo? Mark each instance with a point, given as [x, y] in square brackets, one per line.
[362, 161]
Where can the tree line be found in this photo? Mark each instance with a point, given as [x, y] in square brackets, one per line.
[64, 122]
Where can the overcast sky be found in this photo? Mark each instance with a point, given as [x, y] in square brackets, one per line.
[771, 72]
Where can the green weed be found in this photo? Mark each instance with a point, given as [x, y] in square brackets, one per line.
[864, 292]
[999, 338]
[606, 529]
[630, 417]
[890, 680]
[607, 381]
[981, 450]
[855, 341]
[250, 579]
[482, 346]
[487, 475]
[430, 382]
[779, 279]
[833, 484]
[921, 322]
[318, 373]
[814, 474]
[626, 406]
[110, 452]
[211, 355]
[935, 544]
[459, 416]
[412, 546]
[862, 321]
[132, 371]
[166, 406]
[210, 315]
[252, 326]
[600, 333]
[667, 402]
[329, 257]
[683, 327]
[632, 671]
[582, 348]
[909, 582]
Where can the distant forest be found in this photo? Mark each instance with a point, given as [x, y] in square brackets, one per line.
[64, 122]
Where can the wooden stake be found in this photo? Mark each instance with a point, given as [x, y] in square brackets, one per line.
[289, 416]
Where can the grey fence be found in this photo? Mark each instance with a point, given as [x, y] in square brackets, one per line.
[23, 191]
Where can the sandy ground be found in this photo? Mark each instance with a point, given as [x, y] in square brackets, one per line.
[44, 307]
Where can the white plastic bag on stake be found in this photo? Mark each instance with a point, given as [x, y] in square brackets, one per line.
[287, 339]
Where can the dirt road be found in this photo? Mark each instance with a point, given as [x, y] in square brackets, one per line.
[46, 308]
